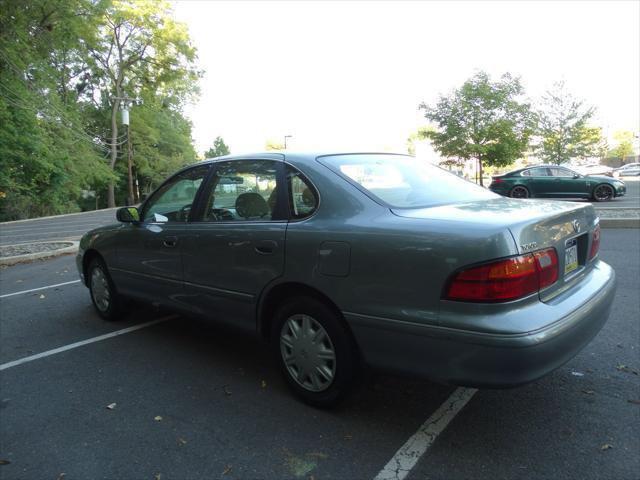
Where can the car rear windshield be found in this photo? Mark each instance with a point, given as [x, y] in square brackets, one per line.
[400, 181]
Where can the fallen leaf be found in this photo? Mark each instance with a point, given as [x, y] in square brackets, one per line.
[263, 384]
[606, 446]
[61, 476]
[19, 281]
[226, 390]
[157, 418]
[111, 406]
[42, 296]
[157, 476]
[577, 374]
[588, 392]
[624, 368]
[4, 462]
[634, 401]
[227, 469]
[181, 441]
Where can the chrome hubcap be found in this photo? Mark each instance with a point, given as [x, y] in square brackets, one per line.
[100, 289]
[603, 192]
[308, 353]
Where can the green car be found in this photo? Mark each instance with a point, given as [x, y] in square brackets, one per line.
[546, 181]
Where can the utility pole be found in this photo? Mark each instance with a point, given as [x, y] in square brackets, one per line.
[126, 103]
[285, 140]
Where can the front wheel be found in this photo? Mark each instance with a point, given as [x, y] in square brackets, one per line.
[314, 350]
[603, 193]
[519, 192]
[103, 293]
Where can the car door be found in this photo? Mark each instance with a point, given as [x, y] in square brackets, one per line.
[539, 182]
[149, 262]
[567, 183]
[235, 246]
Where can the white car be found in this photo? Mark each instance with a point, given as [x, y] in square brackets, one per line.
[596, 169]
[629, 169]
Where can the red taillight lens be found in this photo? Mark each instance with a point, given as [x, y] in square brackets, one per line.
[595, 242]
[505, 280]
[497, 180]
[547, 264]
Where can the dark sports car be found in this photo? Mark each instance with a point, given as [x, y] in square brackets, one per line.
[547, 181]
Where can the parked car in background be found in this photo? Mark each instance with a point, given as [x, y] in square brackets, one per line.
[344, 259]
[595, 169]
[629, 169]
[554, 181]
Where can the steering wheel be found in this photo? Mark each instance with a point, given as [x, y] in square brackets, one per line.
[183, 213]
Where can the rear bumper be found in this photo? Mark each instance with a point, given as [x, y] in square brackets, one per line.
[480, 359]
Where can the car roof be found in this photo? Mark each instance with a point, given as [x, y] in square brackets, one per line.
[297, 156]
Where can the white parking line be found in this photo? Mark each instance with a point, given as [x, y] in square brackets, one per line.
[408, 455]
[38, 289]
[71, 346]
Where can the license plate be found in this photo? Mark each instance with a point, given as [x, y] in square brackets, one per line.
[570, 257]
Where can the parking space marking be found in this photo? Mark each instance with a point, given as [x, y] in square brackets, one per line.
[408, 455]
[81, 343]
[38, 289]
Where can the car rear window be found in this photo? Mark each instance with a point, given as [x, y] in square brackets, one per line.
[401, 181]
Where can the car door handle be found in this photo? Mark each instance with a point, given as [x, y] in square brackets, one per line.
[170, 242]
[266, 247]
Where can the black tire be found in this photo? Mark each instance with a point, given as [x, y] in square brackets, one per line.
[603, 193]
[99, 282]
[340, 342]
[519, 191]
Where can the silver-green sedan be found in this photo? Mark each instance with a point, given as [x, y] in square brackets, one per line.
[345, 260]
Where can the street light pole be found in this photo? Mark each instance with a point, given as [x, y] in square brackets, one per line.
[285, 140]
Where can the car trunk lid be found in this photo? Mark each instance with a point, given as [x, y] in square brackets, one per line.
[534, 225]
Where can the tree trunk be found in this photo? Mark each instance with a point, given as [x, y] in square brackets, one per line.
[132, 198]
[480, 171]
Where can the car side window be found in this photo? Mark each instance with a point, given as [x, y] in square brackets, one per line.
[242, 190]
[303, 199]
[172, 201]
[525, 173]
[561, 172]
[539, 172]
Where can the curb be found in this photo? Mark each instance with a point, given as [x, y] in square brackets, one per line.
[27, 257]
[620, 222]
[58, 216]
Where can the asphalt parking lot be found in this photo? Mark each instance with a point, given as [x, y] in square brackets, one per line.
[183, 399]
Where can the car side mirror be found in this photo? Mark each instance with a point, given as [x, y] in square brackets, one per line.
[128, 215]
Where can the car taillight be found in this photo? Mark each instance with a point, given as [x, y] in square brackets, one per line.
[505, 280]
[595, 243]
[497, 180]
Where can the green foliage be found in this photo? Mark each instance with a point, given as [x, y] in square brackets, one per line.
[563, 128]
[421, 134]
[218, 150]
[55, 109]
[624, 144]
[273, 145]
[482, 120]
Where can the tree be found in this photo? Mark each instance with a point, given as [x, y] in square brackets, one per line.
[563, 128]
[219, 149]
[421, 134]
[482, 120]
[624, 144]
[274, 145]
[139, 46]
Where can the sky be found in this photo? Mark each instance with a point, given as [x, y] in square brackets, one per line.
[350, 75]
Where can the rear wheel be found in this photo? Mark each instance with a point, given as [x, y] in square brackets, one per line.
[603, 193]
[103, 293]
[314, 351]
[519, 192]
